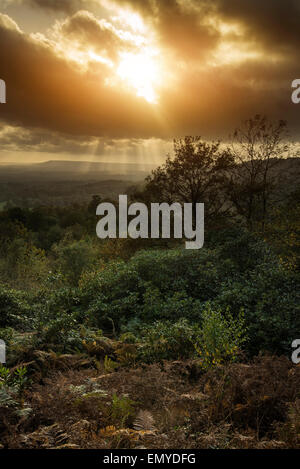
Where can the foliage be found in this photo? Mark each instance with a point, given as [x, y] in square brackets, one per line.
[221, 337]
[195, 174]
[122, 408]
[257, 148]
[109, 365]
[74, 258]
[111, 328]
[238, 271]
[12, 385]
[14, 308]
[165, 340]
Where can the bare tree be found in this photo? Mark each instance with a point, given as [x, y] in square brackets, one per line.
[258, 147]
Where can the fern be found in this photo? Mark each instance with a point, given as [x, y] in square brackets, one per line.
[144, 421]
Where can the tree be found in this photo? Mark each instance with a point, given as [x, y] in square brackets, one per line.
[196, 174]
[96, 200]
[74, 257]
[257, 148]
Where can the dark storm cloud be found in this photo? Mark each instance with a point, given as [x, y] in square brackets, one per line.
[218, 96]
[272, 23]
[14, 138]
[181, 26]
[206, 97]
[184, 31]
[33, 144]
[215, 103]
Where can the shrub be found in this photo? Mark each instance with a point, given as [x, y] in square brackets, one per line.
[13, 380]
[110, 294]
[151, 285]
[60, 333]
[165, 340]
[271, 300]
[170, 285]
[122, 409]
[13, 307]
[221, 337]
[74, 258]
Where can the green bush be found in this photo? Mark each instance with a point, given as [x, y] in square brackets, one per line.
[270, 298]
[14, 309]
[151, 285]
[221, 338]
[165, 340]
[111, 294]
[161, 285]
[74, 257]
[170, 285]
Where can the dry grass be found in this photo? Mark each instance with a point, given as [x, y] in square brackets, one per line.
[253, 405]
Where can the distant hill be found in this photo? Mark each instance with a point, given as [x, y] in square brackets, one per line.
[62, 183]
[73, 170]
[65, 182]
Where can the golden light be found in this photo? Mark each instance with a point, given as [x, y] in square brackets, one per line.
[230, 53]
[134, 63]
[133, 20]
[124, 16]
[140, 71]
[98, 58]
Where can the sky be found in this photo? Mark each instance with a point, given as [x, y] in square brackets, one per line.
[117, 80]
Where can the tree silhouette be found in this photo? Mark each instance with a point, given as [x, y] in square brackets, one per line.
[196, 174]
[257, 148]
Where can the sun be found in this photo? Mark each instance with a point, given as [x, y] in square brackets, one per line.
[140, 71]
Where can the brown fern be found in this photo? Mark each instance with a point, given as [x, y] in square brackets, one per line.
[144, 421]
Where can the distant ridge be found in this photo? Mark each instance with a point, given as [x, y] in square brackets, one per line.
[74, 170]
[81, 162]
[95, 165]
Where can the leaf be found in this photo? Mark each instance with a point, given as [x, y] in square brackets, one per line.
[144, 421]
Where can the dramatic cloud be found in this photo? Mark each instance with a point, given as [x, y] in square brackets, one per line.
[271, 23]
[45, 90]
[31, 145]
[87, 31]
[181, 25]
[15, 138]
[66, 6]
[148, 69]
